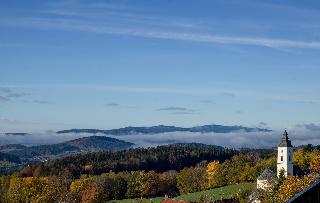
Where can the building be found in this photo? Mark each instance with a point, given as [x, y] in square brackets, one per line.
[268, 177]
[285, 154]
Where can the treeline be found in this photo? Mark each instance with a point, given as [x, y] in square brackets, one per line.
[9, 158]
[160, 159]
[135, 184]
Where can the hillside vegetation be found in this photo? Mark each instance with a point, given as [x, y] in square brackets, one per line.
[75, 179]
[162, 158]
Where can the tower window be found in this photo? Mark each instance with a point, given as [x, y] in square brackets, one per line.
[281, 158]
[289, 158]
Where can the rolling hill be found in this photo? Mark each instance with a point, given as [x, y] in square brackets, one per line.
[85, 144]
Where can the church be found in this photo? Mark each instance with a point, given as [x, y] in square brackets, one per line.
[268, 177]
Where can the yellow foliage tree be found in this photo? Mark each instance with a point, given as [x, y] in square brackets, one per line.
[301, 158]
[212, 173]
[293, 185]
[315, 161]
[78, 186]
[88, 168]
[27, 189]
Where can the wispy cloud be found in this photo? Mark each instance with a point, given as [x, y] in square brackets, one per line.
[149, 32]
[118, 105]
[41, 102]
[310, 126]
[207, 101]
[113, 104]
[37, 101]
[3, 98]
[173, 109]
[267, 94]
[8, 94]
[178, 110]
[239, 112]
[263, 123]
[17, 95]
[5, 90]
[228, 94]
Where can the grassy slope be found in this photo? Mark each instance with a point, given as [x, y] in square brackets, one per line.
[213, 194]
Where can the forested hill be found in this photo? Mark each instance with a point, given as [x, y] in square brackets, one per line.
[165, 129]
[162, 158]
[85, 144]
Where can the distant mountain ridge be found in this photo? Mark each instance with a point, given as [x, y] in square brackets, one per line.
[165, 129]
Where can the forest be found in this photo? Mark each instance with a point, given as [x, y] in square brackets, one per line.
[160, 159]
[188, 169]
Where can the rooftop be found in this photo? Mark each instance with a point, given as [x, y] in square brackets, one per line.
[285, 141]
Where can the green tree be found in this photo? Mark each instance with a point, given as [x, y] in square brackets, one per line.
[281, 177]
[192, 179]
[119, 187]
[136, 183]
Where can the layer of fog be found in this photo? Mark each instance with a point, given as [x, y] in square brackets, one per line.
[300, 135]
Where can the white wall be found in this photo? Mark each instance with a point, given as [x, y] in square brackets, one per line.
[286, 163]
[263, 184]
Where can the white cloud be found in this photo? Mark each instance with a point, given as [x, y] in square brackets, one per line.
[164, 33]
[299, 135]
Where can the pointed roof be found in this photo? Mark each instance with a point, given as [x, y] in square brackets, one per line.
[285, 141]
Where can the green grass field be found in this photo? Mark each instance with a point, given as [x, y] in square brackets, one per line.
[213, 194]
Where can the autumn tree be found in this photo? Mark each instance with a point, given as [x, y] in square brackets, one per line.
[56, 190]
[136, 184]
[168, 183]
[88, 196]
[192, 179]
[315, 161]
[151, 188]
[213, 174]
[293, 185]
[77, 187]
[27, 189]
[301, 158]
[14, 193]
[4, 186]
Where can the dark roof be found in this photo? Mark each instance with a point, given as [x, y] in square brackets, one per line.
[271, 173]
[268, 174]
[285, 141]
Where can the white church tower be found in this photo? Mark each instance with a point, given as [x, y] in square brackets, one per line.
[284, 160]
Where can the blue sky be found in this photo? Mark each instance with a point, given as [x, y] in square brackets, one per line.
[109, 64]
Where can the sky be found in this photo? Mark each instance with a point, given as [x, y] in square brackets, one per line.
[115, 63]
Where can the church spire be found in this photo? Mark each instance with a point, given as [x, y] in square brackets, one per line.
[285, 141]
